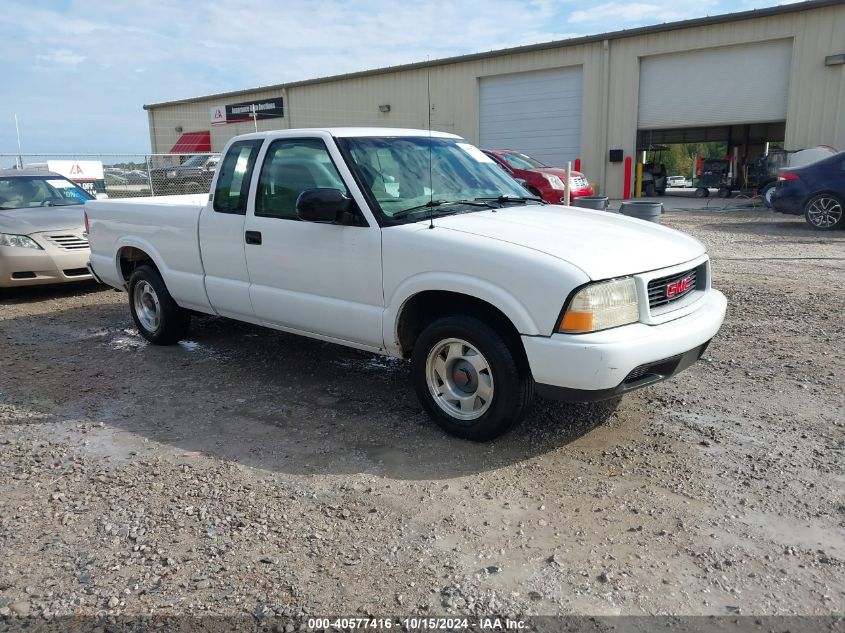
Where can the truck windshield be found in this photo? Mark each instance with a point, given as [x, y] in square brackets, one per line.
[404, 173]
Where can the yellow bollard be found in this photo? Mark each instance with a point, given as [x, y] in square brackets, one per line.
[638, 186]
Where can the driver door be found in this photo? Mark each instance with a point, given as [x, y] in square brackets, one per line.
[323, 279]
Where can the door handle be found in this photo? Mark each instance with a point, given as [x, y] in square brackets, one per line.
[253, 237]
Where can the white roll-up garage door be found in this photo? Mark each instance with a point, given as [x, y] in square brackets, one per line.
[717, 86]
[537, 113]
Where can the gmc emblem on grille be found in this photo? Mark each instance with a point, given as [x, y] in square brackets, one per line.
[678, 287]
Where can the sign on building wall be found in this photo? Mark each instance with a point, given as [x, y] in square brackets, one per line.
[248, 111]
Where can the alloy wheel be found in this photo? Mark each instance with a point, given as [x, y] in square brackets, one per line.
[147, 306]
[824, 212]
[459, 379]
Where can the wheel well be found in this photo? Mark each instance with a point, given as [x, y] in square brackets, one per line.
[425, 307]
[130, 258]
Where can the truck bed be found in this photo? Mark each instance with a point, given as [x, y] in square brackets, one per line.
[163, 226]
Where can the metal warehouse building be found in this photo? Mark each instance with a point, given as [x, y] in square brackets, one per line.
[769, 75]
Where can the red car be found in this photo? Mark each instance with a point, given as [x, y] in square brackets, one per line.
[545, 182]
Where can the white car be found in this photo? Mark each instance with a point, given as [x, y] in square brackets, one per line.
[676, 181]
[415, 244]
[41, 229]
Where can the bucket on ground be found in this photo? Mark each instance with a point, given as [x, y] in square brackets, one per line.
[599, 203]
[643, 210]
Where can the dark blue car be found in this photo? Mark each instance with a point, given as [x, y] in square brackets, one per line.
[817, 190]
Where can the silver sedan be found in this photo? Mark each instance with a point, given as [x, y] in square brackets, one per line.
[42, 230]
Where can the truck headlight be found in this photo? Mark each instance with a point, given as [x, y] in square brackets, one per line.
[600, 306]
[554, 181]
[20, 241]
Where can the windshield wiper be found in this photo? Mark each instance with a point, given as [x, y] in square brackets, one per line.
[503, 198]
[404, 213]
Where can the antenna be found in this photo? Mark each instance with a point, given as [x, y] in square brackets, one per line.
[430, 177]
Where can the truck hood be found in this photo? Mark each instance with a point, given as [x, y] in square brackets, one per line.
[601, 244]
[37, 219]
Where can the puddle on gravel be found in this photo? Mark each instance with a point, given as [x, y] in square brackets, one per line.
[374, 363]
[130, 340]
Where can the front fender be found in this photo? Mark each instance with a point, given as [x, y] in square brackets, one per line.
[458, 283]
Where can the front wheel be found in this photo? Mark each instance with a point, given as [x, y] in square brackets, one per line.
[702, 192]
[825, 211]
[157, 316]
[469, 380]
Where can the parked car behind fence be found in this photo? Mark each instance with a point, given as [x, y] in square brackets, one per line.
[42, 233]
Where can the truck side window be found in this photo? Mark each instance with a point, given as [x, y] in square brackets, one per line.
[290, 167]
[232, 189]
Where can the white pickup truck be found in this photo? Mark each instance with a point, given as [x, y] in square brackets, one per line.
[415, 244]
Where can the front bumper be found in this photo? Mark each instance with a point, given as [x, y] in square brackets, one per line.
[586, 367]
[31, 267]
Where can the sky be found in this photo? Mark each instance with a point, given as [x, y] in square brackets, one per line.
[77, 73]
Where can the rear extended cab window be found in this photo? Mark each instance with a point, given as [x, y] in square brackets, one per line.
[232, 188]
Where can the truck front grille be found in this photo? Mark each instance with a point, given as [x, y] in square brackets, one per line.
[666, 290]
[68, 242]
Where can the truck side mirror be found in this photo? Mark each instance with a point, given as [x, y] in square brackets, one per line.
[322, 205]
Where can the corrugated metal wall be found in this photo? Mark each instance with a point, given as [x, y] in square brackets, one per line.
[815, 112]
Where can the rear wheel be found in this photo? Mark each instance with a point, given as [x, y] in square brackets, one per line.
[157, 316]
[766, 194]
[649, 189]
[193, 187]
[825, 211]
[724, 192]
[469, 380]
[702, 192]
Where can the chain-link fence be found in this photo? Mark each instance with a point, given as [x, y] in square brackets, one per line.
[125, 175]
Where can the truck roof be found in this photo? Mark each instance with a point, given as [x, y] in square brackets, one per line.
[353, 131]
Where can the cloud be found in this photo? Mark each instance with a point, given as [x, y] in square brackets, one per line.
[624, 13]
[63, 57]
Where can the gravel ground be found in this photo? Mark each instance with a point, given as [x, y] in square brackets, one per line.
[247, 471]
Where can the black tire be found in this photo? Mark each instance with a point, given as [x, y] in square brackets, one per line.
[724, 192]
[661, 192]
[512, 384]
[766, 194]
[649, 189]
[173, 321]
[193, 187]
[825, 212]
[702, 192]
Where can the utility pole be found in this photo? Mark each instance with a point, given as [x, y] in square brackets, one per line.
[18, 132]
